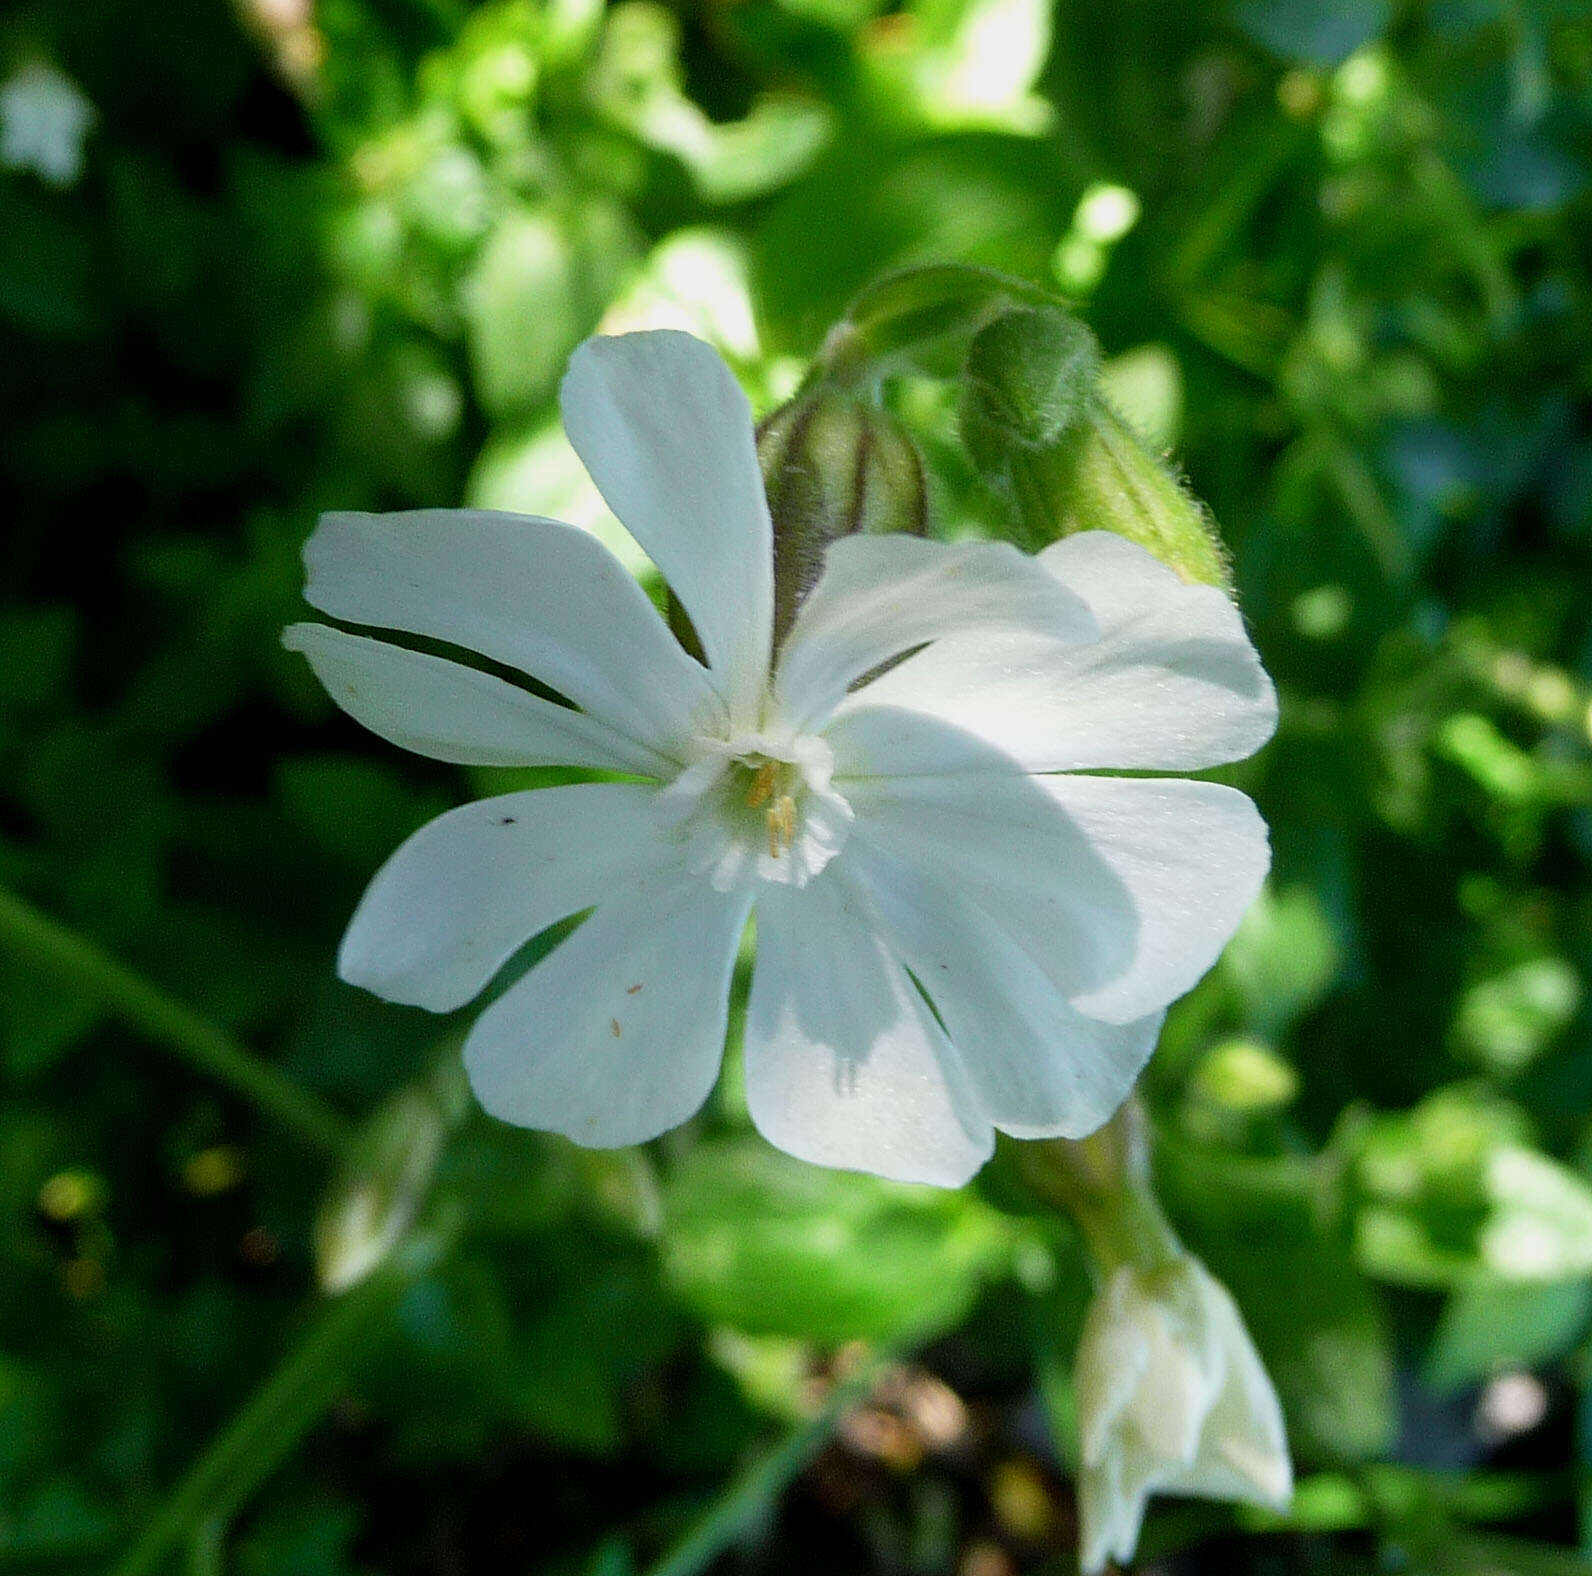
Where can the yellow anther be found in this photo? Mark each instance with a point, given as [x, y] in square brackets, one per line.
[780, 818]
[762, 785]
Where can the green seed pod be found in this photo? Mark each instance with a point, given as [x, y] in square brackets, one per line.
[833, 466]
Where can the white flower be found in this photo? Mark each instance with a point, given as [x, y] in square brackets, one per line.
[897, 840]
[1172, 1398]
[43, 121]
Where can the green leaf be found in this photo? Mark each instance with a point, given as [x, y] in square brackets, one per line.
[39, 1022]
[1507, 1020]
[1323, 32]
[37, 647]
[357, 809]
[1489, 1324]
[768, 1245]
[638, 85]
[1452, 1191]
[536, 291]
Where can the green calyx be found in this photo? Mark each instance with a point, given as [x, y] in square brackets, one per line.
[1028, 383]
[1103, 1184]
[1039, 431]
[833, 466]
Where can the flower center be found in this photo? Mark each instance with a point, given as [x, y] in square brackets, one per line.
[759, 807]
[769, 789]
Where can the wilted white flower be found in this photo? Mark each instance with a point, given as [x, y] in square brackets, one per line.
[43, 121]
[1172, 1398]
[934, 835]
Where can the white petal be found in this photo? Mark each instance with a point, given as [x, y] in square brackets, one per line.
[1112, 1498]
[1192, 855]
[1172, 684]
[1112, 1359]
[1040, 1068]
[882, 595]
[1243, 1452]
[1122, 890]
[845, 1065]
[1187, 1370]
[461, 895]
[1111, 1516]
[616, 1036]
[999, 840]
[453, 713]
[666, 433]
[539, 596]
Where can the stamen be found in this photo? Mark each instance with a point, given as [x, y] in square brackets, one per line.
[780, 818]
[762, 785]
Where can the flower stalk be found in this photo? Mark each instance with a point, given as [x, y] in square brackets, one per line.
[1102, 1183]
[271, 1422]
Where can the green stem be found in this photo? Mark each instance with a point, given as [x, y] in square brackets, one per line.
[1103, 1183]
[913, 313]
[273, 1421]
[39, 941]
[729, 1516]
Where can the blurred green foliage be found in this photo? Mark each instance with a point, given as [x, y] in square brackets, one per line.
[335, 253]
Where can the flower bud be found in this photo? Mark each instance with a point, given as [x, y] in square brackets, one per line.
[1037, 428]
[376, 1196]
[1172, 1398]
[1029, 381]
[833, 466]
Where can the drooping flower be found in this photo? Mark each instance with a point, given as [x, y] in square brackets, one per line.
[44, 120]
[1172, 1398]
[960, 927]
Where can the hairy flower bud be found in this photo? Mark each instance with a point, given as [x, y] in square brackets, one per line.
[833, 466]
[1037, 428]
[1172, 1398]
[1029, 381]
